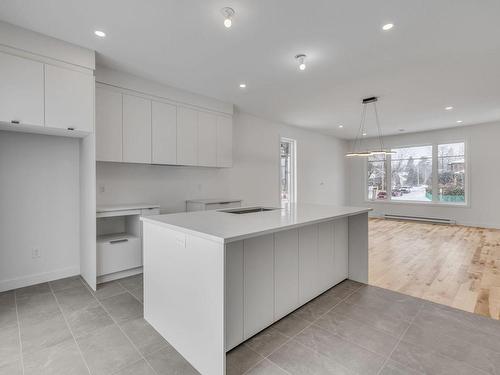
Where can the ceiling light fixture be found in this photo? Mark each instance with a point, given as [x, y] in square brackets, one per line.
[341, 126]
[100, 34]
[459, 121]
[387, 26]
[228, 14]
[449, 108]
[243, 85]
[358, 143]
[302, 61]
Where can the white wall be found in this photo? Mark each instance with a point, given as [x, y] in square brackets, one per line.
[39, 208]
[484, 178]
[253, 178]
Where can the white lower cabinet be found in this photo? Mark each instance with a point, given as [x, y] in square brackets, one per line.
[69, 99]
[136, 129]
[326, 263]
[341, 254]
[258, 263]
[308, 262]
[270, 276]
[286, 272]
[234, 294]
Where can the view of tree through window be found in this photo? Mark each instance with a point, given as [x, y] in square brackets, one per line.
[451, 172]
[377, 189]
[287, 171]
[411, 173]
[407, 175]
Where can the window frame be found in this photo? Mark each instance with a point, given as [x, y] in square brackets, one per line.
[435, 166]
[293, 184]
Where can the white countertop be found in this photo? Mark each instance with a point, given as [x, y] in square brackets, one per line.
[213, 200]
[227, 227]
[124, 207]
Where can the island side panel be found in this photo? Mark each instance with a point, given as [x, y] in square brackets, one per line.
[184, 295]
[358, 248]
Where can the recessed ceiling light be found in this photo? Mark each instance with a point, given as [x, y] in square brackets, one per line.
[301, 58]
[100, 34]
[243, 85]
[364, 134]
[459, 121]
[387, 26]
[341, 126]
[449, 108]
[228, 14]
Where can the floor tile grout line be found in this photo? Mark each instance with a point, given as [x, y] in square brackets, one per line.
[441, 354]
[290, 338]
[70, 330]
[21, 355]
[399, 341]
[128, 338]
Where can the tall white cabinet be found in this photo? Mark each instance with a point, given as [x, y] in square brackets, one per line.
[136, 129]
[133, 128]
[22, 90]
[187, 136]
[164, 133]
[69, 99]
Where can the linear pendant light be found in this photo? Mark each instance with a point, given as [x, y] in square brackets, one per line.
[358, 149]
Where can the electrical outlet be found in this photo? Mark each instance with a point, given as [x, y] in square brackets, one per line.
[102, 189]
[35, 253]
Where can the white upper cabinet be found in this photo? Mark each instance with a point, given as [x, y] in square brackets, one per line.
[21, 90]
[69, 99]
[187, 136]
[164, 133]
[207, 139]
[108, 125]
[224, 141]
[136, 129]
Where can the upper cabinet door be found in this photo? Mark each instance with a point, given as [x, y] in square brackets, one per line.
[207, 139]
[108, 125]
[69, 99]
[224, 141]
[21, 90]
[136, 129]
[187, 136]
[164, 133]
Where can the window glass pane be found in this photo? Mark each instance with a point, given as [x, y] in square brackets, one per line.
[411, 174]
[451, 173]
[377, 189]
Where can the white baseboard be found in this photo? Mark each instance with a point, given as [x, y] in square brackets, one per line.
[379, 215]
[118, 275]
[38, 278]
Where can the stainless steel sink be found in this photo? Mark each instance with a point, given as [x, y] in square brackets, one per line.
[248, 210]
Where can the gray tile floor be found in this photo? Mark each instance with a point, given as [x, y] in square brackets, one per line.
[62, 327]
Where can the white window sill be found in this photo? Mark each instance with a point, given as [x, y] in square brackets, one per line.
[418, 203]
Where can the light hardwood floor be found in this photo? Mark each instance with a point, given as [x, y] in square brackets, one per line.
[452, 265]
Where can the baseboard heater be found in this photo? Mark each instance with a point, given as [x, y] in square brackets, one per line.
[420, 218]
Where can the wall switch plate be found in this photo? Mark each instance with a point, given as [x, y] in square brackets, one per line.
[35, 253]
[102, 189]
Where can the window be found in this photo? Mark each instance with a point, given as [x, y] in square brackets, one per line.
[288, 185]
[429, 173]
[411, 174]
[451, 172]
[377, 180]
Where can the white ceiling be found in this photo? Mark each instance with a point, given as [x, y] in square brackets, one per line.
[444, 52]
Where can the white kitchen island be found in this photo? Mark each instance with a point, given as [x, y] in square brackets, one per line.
[213, 279]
